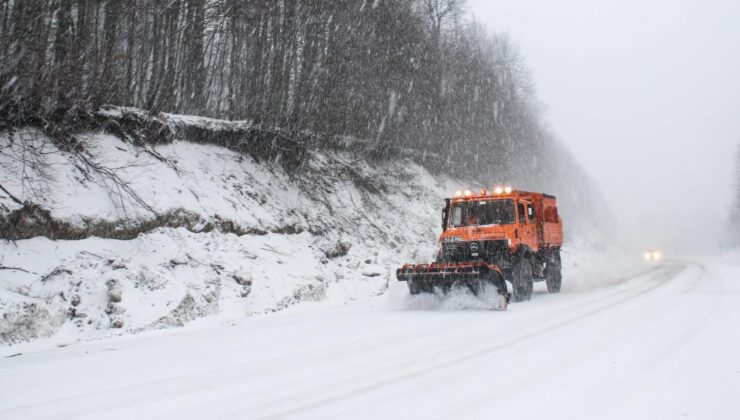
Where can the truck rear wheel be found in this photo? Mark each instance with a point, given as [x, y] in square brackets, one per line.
[522, 282]
[553, 272]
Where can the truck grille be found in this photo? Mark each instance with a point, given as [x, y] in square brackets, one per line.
[489, 250]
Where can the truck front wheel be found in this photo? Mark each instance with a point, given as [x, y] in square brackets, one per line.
[414, 288]
[493, 280]
[522, 282]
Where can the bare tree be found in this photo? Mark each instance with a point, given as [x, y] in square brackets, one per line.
[400, 74]
[442, 12]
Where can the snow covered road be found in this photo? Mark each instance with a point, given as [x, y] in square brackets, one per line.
[661, 344]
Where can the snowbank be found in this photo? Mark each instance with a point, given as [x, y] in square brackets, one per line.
[146, 236]
[336, 233]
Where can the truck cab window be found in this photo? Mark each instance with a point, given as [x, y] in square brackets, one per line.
[457, 216]
[520, 209]
[483, 213]
[530, 212]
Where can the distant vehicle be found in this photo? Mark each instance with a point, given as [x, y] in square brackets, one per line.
[491, 238]
[652, 255]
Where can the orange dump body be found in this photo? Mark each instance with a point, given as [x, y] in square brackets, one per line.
[536, 223]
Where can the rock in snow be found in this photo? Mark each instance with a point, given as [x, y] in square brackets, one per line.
[115, 294]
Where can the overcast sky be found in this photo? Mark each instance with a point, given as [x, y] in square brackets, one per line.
[646, 95]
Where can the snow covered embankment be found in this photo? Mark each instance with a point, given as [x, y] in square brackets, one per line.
[174, 232]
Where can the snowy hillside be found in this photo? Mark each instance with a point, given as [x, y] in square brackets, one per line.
[198, 230]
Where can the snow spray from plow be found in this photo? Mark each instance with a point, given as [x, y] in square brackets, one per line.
[456, 299]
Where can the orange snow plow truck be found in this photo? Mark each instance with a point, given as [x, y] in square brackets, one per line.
[491, 239]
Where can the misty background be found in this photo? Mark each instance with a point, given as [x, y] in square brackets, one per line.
[646, 95]
[624, 110]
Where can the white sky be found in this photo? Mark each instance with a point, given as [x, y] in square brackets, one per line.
[646, 95]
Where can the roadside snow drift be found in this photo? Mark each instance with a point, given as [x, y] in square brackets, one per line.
[207, 231]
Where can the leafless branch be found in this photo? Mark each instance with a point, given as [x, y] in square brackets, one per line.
[12, 197]
[2, 267]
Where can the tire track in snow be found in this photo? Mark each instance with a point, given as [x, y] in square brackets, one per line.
[471, 408]
[614, 300]
[223, 382]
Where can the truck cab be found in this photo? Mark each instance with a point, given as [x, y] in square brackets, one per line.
[499, 238]
[504, 227]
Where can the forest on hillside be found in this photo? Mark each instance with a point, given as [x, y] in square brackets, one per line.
[414, 75]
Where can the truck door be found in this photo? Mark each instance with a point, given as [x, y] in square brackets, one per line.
[529, 227]
[534, 216]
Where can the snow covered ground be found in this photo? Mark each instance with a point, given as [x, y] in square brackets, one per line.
[333, 234]
[660, 342]
[175, 232]
[228, 288]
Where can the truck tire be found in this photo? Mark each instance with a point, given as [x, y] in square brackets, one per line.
[477, 286]
[522, 281]
[413, 287]
[553, 272]
[492, 279]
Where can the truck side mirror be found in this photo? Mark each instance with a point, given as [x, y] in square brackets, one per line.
[445, 215]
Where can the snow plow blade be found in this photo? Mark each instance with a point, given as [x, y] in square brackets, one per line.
[426, 278]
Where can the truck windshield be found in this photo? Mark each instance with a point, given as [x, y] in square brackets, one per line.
[478, 213]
